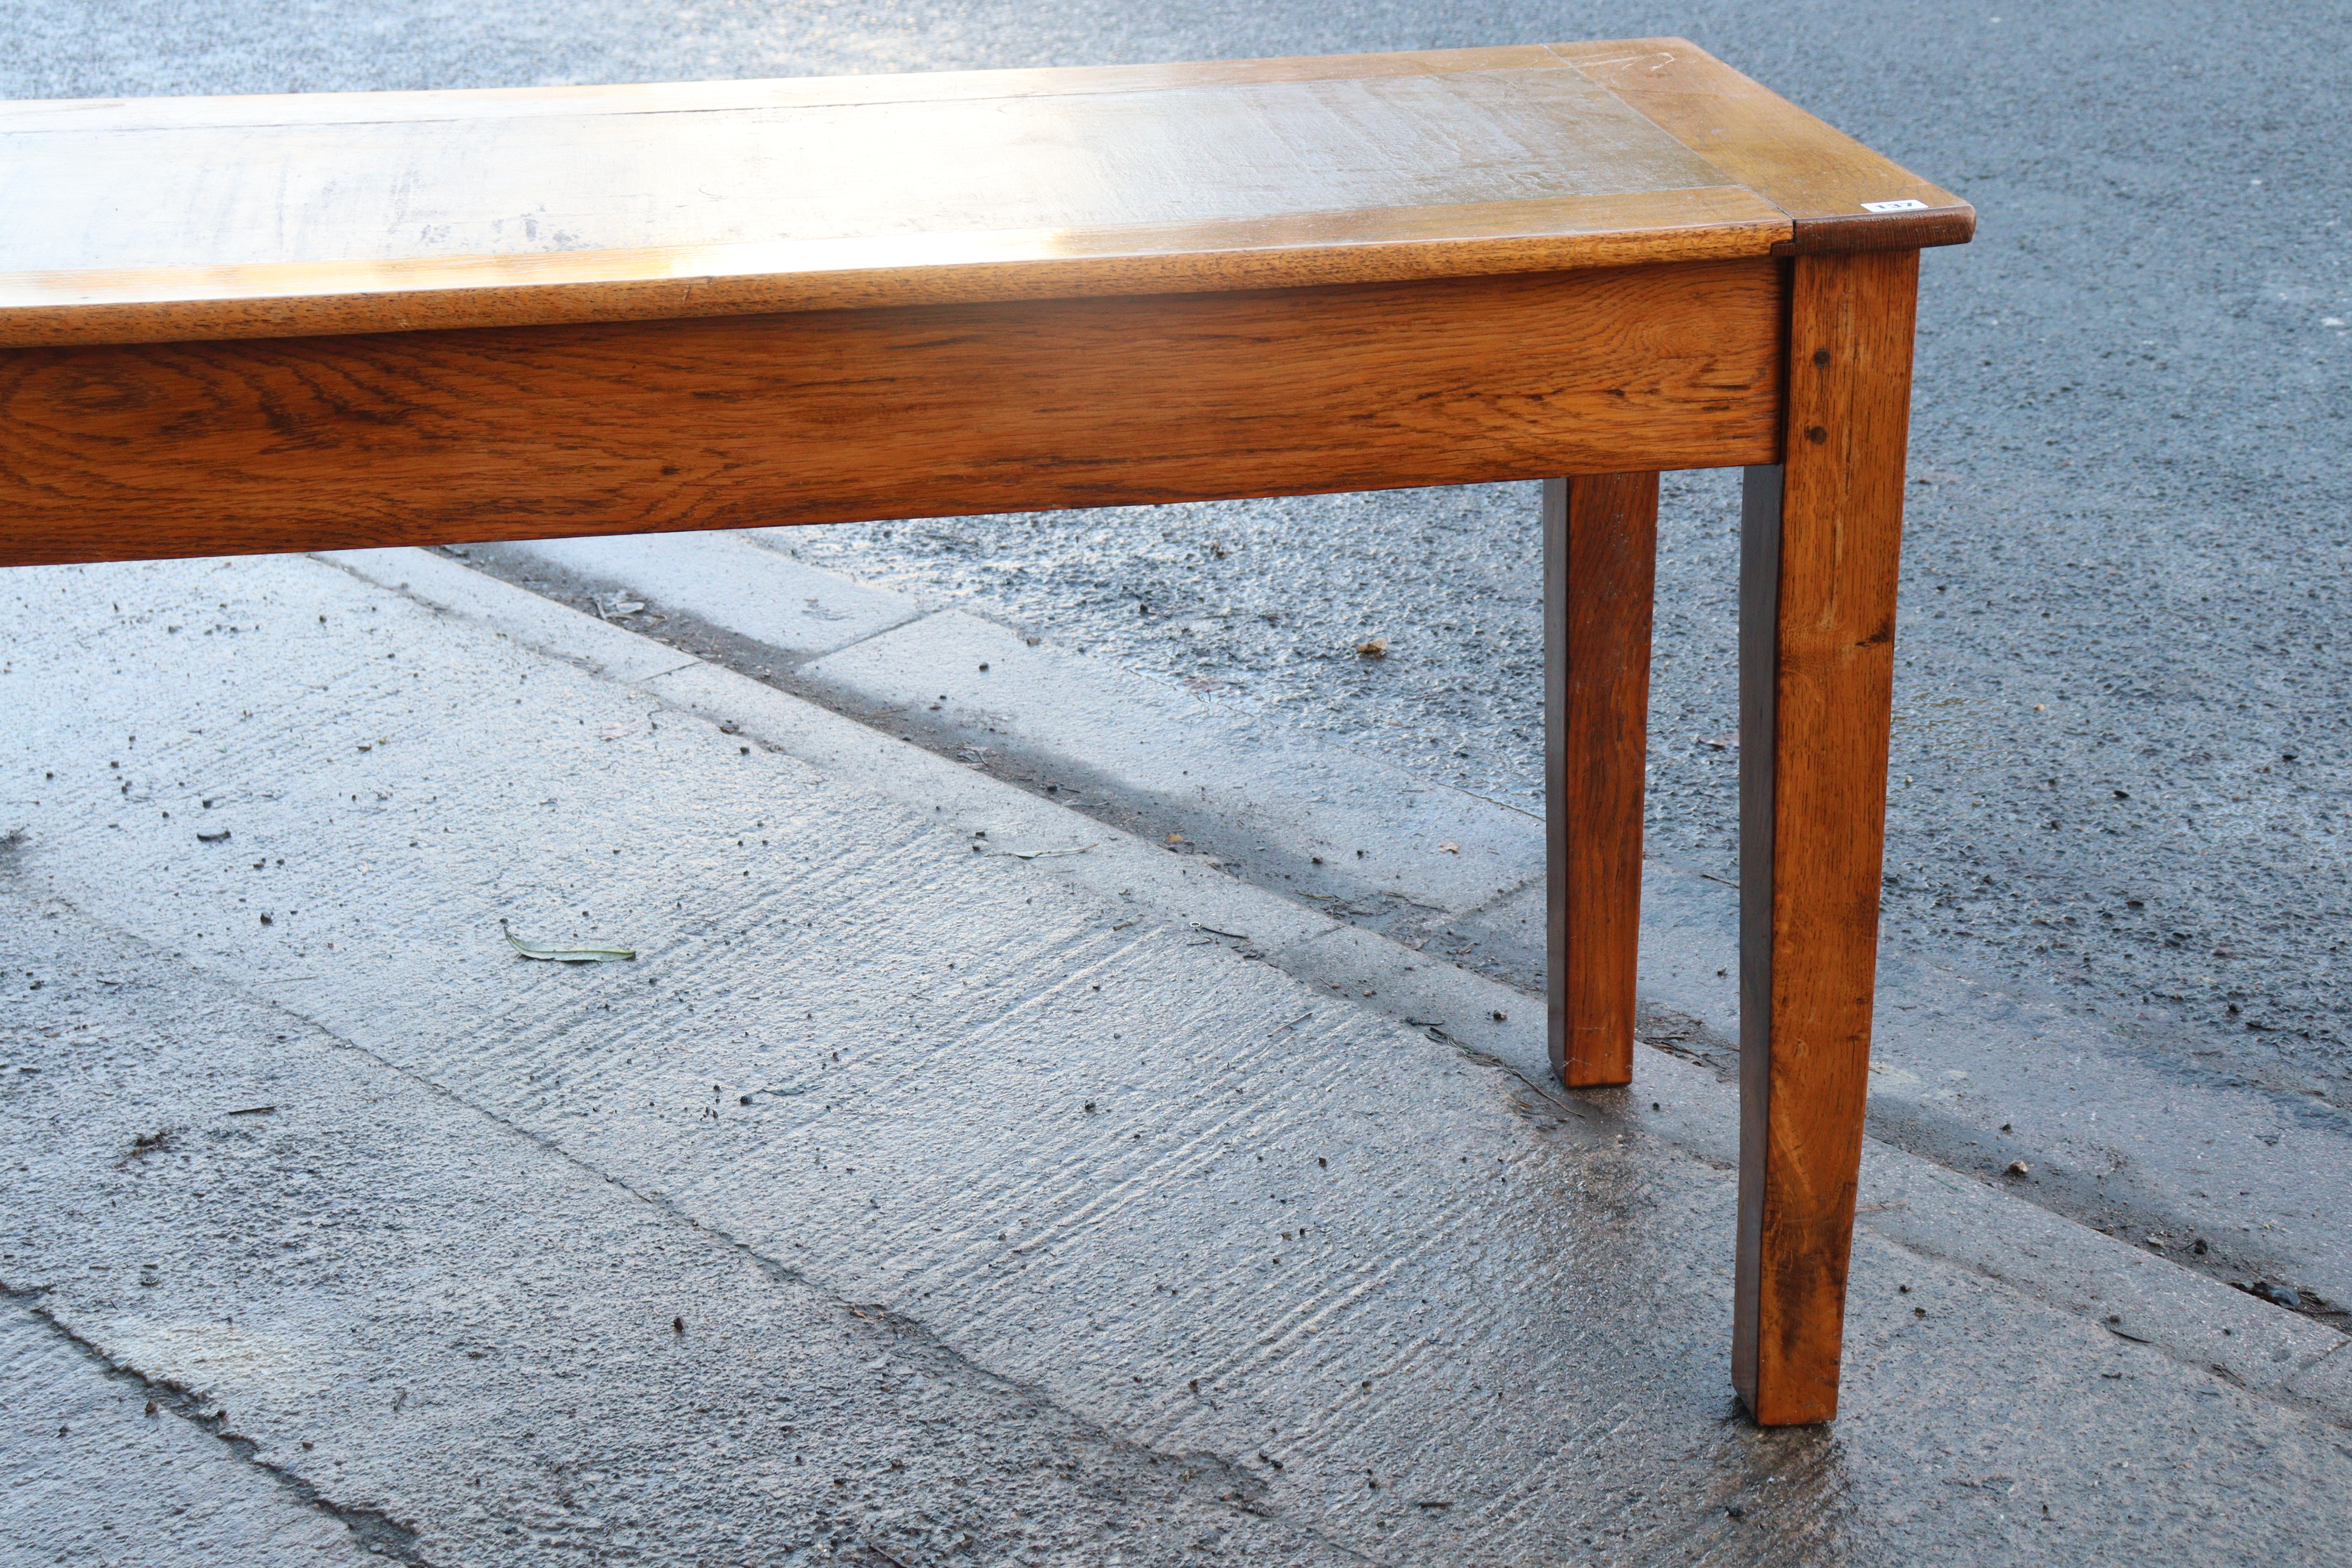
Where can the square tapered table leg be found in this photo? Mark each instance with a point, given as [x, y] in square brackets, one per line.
[1601, 538]
[1821, 538]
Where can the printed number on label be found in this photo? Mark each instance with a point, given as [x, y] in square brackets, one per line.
[1905, 205]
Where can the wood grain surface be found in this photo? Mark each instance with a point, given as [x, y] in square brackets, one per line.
[277, 300]
[177, 218]
[1819, 175]
[1227, 147]
[1600, 551]
[1821, 734]
[174, 219]
[122, 452]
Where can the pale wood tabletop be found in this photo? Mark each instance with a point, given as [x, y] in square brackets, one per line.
[177, 220]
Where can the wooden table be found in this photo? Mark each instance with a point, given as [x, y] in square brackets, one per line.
[294, 324]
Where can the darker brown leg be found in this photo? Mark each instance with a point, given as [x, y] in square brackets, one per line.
[1600, 537]
[1821, 539]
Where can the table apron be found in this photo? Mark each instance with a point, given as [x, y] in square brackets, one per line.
[142, 451]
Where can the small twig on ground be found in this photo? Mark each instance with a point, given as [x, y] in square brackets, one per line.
[1041, 854]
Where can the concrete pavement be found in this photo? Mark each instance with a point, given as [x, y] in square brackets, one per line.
[1212, 1261]
[2240, 1184]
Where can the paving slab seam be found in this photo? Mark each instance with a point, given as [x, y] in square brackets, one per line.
[805, 661]
[1237, 1485]
[373, 1530]
[2327, 1403]
[915, 776]
[1240, 1487]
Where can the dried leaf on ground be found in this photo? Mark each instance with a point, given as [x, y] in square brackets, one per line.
[570, 955]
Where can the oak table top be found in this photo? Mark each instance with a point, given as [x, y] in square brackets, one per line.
[193, 218]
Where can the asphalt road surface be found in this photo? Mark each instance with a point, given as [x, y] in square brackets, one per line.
[2119, 766]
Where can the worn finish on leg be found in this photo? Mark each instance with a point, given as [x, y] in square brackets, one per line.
[1822, 536]
[1601, 540]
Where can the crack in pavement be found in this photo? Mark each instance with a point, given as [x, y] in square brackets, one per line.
[1236, 1484]
[375, 1530]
